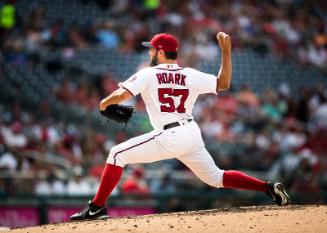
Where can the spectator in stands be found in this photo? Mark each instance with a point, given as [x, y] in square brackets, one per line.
[107, 35]
[291, 136]
[8, 162]
[247, 97]
[78, 185]
[270, 106]
[319, 116]
[50, 186]
[135, 183]
[42, 187]
[163, 185]
[13, 136]
[317, 55]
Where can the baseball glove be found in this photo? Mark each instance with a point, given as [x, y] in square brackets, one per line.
[118, 113]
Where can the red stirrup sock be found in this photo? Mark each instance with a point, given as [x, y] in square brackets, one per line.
[109, 179]
[239, 180]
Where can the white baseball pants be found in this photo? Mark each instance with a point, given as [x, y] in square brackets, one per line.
[183, 142]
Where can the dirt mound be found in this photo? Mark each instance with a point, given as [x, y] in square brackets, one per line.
[245, 219]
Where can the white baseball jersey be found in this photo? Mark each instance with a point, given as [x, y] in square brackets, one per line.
[169, 91]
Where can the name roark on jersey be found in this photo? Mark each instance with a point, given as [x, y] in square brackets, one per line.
[174, 78]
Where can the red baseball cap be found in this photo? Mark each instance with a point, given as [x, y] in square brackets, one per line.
[164, 41]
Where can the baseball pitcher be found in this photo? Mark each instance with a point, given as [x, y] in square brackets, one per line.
[169, 92]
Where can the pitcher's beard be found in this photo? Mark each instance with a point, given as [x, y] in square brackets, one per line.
[154, 60]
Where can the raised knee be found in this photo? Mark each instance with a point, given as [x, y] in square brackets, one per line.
[114, 150]
[217, 178]
[220, 175]
[114, 158]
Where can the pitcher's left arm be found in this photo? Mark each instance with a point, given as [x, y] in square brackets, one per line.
[118, 96]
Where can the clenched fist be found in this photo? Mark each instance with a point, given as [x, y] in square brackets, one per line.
[224, 41]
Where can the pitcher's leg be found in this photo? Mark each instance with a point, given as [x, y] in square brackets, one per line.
[141, 149]
[203, 166]
[240, 180]
[109, 179]
[96, 208]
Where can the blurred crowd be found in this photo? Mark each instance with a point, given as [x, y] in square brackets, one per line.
[85, 92]
[289, 29]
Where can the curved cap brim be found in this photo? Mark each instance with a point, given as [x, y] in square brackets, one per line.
[147, 44]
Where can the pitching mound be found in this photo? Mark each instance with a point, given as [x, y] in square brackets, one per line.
[247, 219]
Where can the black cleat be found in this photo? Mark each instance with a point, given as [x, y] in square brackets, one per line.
[90, 212]
[277, 192]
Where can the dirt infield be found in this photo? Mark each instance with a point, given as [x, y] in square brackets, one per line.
[248, 219]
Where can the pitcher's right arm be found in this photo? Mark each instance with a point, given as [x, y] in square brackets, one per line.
[224, 76]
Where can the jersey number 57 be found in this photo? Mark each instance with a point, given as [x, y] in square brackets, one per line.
[166, 98]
